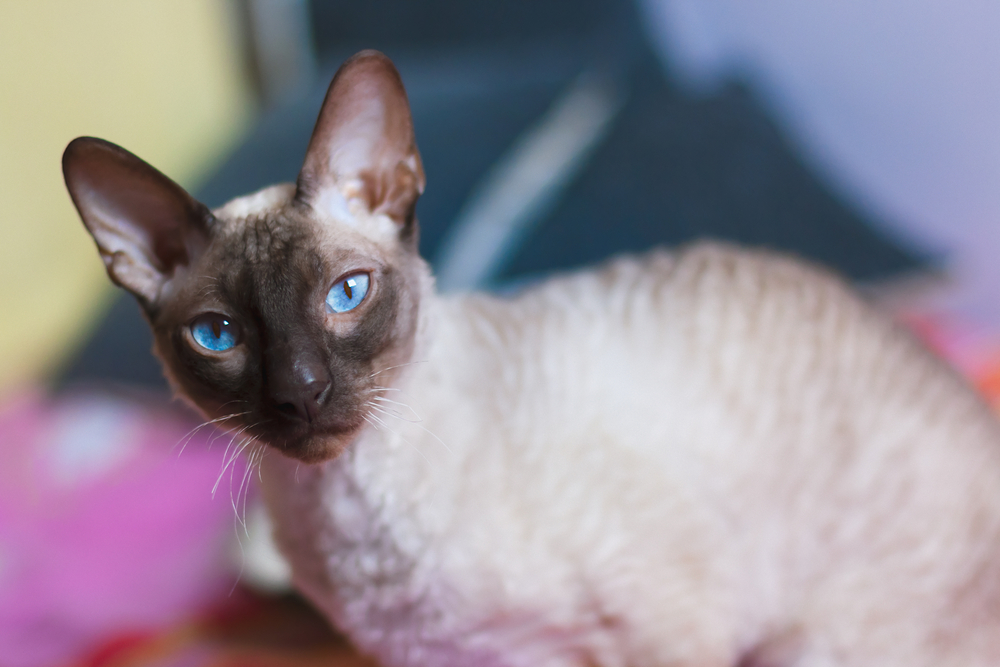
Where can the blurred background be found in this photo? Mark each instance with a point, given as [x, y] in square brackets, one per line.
[554, 134]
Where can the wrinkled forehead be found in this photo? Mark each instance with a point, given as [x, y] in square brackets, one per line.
[267, 263]
[266, 242]
[267, 252]
[333, 214]
[273, 198]
[270, 257]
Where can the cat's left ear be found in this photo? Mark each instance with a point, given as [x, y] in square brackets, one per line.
[363, 146]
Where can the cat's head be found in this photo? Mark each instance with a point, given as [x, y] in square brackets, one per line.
[283, 307]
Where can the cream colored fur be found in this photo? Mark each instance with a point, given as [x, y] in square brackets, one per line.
[706, 458]
[711, 458]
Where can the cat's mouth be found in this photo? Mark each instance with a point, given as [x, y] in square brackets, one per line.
[309, 442]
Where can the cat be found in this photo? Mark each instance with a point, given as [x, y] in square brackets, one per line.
[705, 457]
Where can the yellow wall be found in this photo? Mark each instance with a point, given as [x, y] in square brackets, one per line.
[160, 77]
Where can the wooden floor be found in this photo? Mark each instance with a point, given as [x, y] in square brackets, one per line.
[247, 631]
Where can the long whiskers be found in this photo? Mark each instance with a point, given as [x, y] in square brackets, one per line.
[377, 388]
[376, 422]
[409, 363]
[415, 421]
[254, 460]
[229, 459]
[237, 445]
[226, 458]
[257, 451]
[382, 405]
[186, 438]
[382, 399]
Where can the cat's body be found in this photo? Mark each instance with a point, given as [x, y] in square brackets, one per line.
[708, 458]
[647, 465]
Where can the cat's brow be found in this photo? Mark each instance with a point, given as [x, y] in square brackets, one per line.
[271, 237]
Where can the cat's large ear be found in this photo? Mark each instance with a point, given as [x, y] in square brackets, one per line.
[145, 225]
[363, 147]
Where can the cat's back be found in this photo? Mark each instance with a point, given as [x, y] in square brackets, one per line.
[740, 324]
[740, 352]
[746, 374]
[737, 324]
[814, 451]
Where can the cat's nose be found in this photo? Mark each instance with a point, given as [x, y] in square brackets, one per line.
[302, 391]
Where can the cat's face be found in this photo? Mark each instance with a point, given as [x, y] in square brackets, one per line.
[291, 321]
[283, 308]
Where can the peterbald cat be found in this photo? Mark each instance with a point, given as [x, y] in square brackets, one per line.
[708, 457]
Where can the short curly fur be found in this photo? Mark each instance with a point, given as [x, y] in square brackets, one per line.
[704, 458]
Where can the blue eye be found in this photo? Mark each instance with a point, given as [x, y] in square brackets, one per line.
[215, 332]
[347, 293]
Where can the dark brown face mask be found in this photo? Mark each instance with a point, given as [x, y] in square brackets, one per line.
[263, 316]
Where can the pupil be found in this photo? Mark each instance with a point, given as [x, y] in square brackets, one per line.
[347, 290]
[216, 328]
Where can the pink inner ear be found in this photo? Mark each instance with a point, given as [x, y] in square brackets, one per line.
[398, 195]
[148, 219]
[364, 132]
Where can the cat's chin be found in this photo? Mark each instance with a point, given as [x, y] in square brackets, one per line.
[321, 440]
[315, 447]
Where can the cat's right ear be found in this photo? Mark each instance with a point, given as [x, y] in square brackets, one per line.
[145, 225]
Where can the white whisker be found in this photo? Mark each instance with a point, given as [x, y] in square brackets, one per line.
[225, 455]
[383, 399]
[386, 427]
[435, 436]
[244, 489]
[392, 413]
[410, 421]
[409, 363]
[229, 459]
[377, 389]
[260, 462]
[186, 438]
[239, 449]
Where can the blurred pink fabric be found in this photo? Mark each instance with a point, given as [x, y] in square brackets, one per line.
[104, 527]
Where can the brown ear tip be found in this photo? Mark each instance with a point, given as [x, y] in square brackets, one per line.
[74, 149]
[87, 143]
[372, 61]
[369, 54]
[83, 147]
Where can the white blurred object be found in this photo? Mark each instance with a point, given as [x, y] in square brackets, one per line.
[280, 43]
[525, 183]
[263, 566]
[896, 102]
